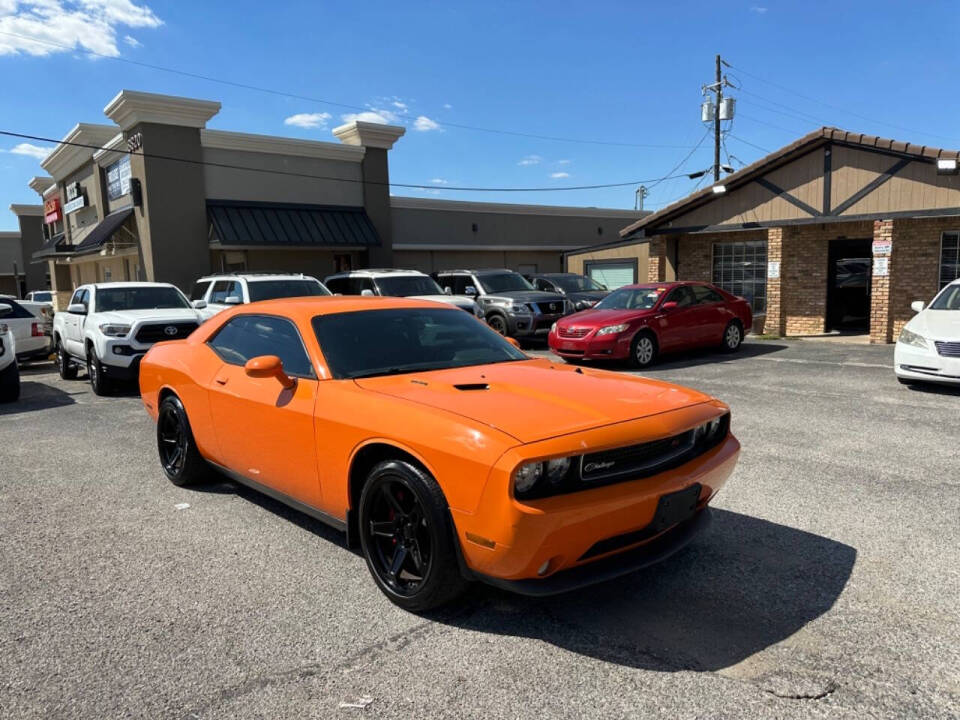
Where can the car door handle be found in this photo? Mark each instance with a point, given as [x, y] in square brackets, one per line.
[222, 381]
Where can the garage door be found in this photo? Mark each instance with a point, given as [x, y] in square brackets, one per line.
[613, 275]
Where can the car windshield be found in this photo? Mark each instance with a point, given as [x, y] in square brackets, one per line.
[271, 289]
[139, 298]
[503, 282]
[406, 340]
[949, 299]
[407, 285]
[630, 299]
[576, 283]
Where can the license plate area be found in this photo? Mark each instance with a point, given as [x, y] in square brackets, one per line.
[675, 507]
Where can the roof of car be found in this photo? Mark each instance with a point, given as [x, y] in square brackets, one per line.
[308, 307]
[254, 277]
[370, 272]
[101, 286]
[478, 271]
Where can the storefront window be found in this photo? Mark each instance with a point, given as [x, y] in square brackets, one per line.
[949, 257]
[741, 268]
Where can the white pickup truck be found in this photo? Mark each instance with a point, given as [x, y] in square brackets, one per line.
[9, 372]
[108, 328]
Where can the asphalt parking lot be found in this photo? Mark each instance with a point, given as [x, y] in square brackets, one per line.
[826, 587]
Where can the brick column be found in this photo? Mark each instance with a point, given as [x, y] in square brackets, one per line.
[657, 260]
[881, 325]
[775, 322]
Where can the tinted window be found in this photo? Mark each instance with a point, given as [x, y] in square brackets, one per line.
[391, 342]
[337, 285]
[503, 282]
[541, 284]
[630, 299]
[407, 285]
[949, 299]
[271, 289]
[199, 290]
[16, 310]
[42, 297]
[222, 289]
[705, 295]
[139, 298]
[683, 296]
[76, 297]
[250, 336]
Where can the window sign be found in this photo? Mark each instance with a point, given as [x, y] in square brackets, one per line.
[773, 269]
[118, 178]
[882, 247]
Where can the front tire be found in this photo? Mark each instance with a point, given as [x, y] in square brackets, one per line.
[498, 322]
[98, 381]
[643, 350]
[10, 383]
[66, 367]
[407, 538]
[732, 336]
[182, 463]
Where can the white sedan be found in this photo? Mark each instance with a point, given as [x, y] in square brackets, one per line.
[928, 349]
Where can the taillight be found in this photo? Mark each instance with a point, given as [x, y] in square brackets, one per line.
[36, 330]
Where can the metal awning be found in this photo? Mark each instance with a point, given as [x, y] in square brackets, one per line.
[253, 224]
[99, 236]
[57, 245]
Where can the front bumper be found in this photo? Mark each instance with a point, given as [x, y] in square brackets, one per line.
[507, 540]
[121, 361]
[614, 346]
[532, 324]
[913, 363]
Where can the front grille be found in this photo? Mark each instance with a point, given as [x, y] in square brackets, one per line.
[159, 332]
[948, 349]
[568, 332]
[554, 307]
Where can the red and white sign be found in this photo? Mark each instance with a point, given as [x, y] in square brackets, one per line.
[882, 247]
[52, 212]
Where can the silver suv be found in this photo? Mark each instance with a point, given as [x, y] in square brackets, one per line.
[397, 283]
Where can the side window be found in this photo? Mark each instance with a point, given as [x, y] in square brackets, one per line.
[445, 281]
[236, 290]
[77, 294]
[541, 284]
[219, 293]
[682, 296]
[337, 285]
[705, 295]
[249, 336]
[460, 283]
[367, 284]
[199, 290]
[85, 298]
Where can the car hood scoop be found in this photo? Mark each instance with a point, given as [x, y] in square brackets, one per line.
[536, 399]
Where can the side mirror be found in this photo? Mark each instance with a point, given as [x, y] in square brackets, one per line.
[668, 306]
[917, 306]
[5, 309]
[448, 290]
[470, 291]
[265, 366]
[77, 309]
[233, 300]
[514, 342]
[366, 292]
[199, 304]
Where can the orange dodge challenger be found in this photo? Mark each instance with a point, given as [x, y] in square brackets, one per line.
[439, 446]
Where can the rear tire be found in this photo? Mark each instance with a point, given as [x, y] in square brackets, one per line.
[407, 537]
[182, 463]
[732, 336]
[65, 366]
[10, 383]
[643, 350]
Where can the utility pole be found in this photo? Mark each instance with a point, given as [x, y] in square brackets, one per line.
[638, 198]
[718, 89]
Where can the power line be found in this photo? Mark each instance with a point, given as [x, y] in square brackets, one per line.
[747, 142]
[836, 107]
[680, 164]
[228, 166]
[346, 106]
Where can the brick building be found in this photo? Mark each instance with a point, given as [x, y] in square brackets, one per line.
[836, 232]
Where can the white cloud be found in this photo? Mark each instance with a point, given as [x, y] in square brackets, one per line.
[447, 106]
[308, 120]
[531, 160]
[439, 181]
[399, 105]
[132, 41]
[563, 162]
[34, 151]
[44, 27]
[425, 124]
[559, 175]
[758, 9]
[371, 116]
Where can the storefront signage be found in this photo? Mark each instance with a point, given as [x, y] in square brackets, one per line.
[881, 266]
[882, 247]
[118, 178]
[73, 191]
[773, 269]
[52, 212]
[134, 142]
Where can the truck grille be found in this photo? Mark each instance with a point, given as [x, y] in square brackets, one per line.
[569, 332]
[554, 307]
[158, 332]
[948, 349]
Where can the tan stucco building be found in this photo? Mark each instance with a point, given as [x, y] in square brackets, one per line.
[837, 231]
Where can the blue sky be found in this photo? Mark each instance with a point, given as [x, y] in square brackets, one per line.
[618, 72]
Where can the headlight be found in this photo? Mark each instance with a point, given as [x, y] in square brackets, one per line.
[553, 328]
[506, 303]
[557, 469]
[709, 431]
[542, 478]
[112, 330]
[611, 329]
[526, 476]
[913, 339]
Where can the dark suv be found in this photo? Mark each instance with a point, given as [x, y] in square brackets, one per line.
[511, 305]
[582, 291]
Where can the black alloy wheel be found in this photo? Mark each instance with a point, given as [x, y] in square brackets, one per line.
[498, 322]
[98, 382]
[181, 461]
[66, 368]
[406, 537]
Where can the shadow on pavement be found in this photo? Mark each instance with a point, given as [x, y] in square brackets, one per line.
[745, 585]
[688, 358]
[935, 389]
[36, 396]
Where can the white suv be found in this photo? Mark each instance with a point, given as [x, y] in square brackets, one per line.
[9, 372]
[397, 283]
[214, 293]
[110, 326]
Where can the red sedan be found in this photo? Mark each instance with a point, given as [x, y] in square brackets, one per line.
[638, 322]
